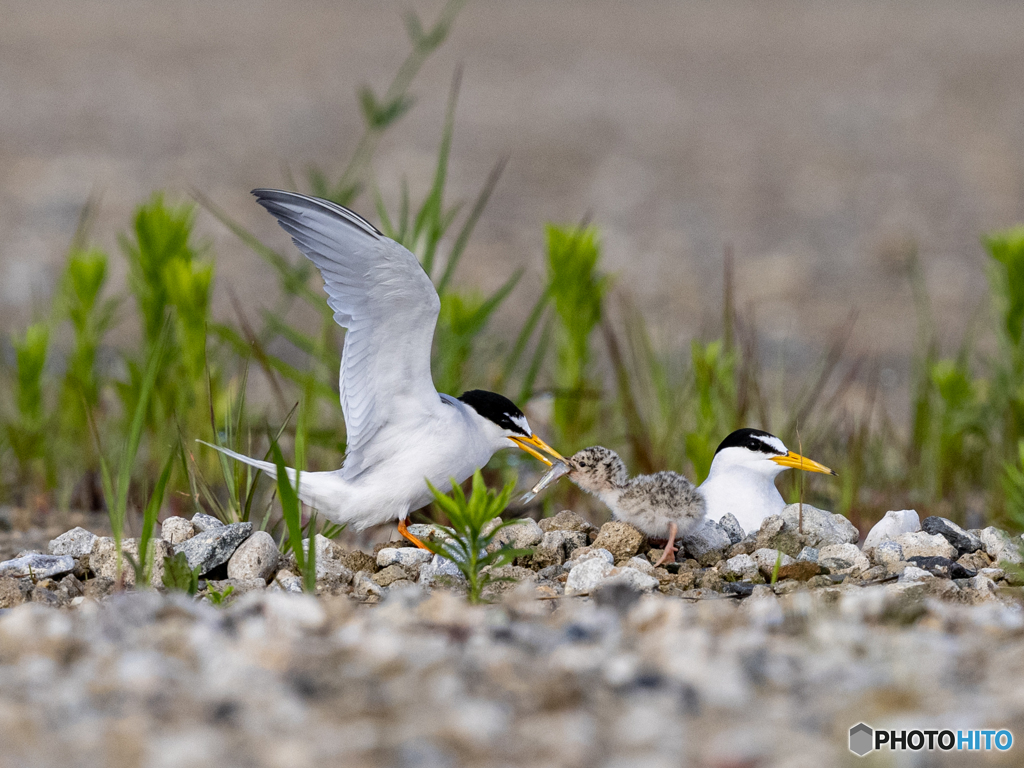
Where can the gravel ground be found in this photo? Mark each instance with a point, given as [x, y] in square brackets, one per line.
[588, 656]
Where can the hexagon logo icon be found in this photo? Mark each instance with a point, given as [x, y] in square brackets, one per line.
[862, 739]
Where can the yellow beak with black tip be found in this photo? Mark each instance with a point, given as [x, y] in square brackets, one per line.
[796, 461]
[529, 444]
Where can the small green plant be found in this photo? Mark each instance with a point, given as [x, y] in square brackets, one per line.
[27, 432]
[775, 568]
[219, 597]
[467, 542]
[144, 565]
[714, 377]
[577, 289]
[1013, 488]
[179, 577]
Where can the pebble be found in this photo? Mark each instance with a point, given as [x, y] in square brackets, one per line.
[551, 550]
[330, 561]
[925, 545]
[203, 522]
[636, 579]
[741, 567]
[1000, 546]
[767, 558]
[820, 528]
[914, 574]
[887, 552]
[74, 543]
[641, 564]
[256, 558]
[621, 539]
[843, 558]
[808, 554]
[964, 542]
[411, 557]
[442, 571]
[708, 543]
[522, 534]
[566, 520]
[37, 566]
[587, 574]
[287, 581]
[732, 527]
[103, 559]
[177, 529]
[387, 576]
[892, 525]
[214, 546]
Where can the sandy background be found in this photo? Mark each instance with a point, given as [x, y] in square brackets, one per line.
[824, 142]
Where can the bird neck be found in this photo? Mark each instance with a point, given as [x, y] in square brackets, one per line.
[748, 495]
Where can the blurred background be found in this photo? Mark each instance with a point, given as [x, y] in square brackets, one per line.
[850, 157]
[824, 142]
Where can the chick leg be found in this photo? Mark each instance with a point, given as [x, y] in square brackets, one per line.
[669, 554]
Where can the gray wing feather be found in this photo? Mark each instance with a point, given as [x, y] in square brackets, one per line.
[381, 295]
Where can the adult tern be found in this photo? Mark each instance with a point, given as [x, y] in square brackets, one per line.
[401, 431]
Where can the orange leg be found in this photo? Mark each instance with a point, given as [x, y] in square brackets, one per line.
[403, 528]
[670, 546]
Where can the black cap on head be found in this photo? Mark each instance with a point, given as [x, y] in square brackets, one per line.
[753, 440]
[496, 408]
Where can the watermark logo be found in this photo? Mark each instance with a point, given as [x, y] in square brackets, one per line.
[864, 739]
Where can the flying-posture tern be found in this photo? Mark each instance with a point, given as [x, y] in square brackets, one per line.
[400, 431]
[742, 477]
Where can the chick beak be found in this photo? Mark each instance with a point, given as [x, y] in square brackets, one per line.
[529, 444]
[796, 461]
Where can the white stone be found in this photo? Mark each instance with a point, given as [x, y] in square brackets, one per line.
[820, 527]
[588, 574]
[442, 570]
[642, 564]
[921, 544]
[256, 558]
[766, 559]
[75, 543]
[887, 553]
[601, 553]
[843, 558]
[742, 567]
[328, 560]
[912, 573]
[892, 525]
[405, 556]
[176, 530]
[808, 555]
[1000, 546]
[286, 581]
[984, 585]
[204, 522]
[636, 579]
[522, 534]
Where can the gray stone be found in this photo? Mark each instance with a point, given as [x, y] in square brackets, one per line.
[588, 574]
[330, 560]
[708, 543]
[808, 555]
[636, 579]
[992, 573]
[984, 588]
[521, 534]
[410, 557]
[767, 558]
[1000, 546]
[921, 544]
[964, 542]
[589, 553]
[550, 551]
[38, 566]
[366, 588]
[442, 571]
[76, 542]
[203, 522]
[887, 553]
[820, 528]
[892, 525]
[641, 564]
[740, 567]
[389, 575]
[575, 540]
[177, 529]
[566, 520]
[732, 527]
[912, 574]
[843, 558]
[256, 558]
[103, 559]
[286, 581]
[214, 546]
[619, 538]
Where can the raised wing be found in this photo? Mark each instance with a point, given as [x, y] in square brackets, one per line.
[380, 293]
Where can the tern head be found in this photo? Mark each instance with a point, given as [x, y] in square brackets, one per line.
[502, 420]
[597, 469]
[762, 453]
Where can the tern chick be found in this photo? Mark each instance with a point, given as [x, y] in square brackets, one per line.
[662, 506]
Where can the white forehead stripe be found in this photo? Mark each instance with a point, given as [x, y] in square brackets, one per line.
[774, 443]
[521, 422]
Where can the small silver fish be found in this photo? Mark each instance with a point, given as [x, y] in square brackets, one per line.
[558, 469]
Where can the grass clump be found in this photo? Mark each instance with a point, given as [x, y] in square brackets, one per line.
[470, 533]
